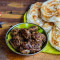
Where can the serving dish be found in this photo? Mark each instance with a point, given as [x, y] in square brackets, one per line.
[20, 26]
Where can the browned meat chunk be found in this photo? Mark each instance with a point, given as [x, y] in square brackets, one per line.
[15, 31]
[25, 33]
[33, 46]
[33, 28]
[36, 46]
[43, 37]
[16, 41]
[38, 37]
[27, 45]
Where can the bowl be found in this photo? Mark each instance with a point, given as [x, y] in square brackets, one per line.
[20, 26]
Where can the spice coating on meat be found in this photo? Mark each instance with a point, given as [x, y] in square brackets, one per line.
[38, 37]
[33, 28]
[15, 32]
[25, 33]
[27, 40]
[16, 41]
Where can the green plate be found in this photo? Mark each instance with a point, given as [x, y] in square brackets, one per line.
[20, 26]
[48, 48]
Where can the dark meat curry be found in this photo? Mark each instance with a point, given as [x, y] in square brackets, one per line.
[27, 41]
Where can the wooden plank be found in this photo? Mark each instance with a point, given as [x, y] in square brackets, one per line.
[32, 1]
[11, 16]
[9, 20]
[20, 5]
[7, 25]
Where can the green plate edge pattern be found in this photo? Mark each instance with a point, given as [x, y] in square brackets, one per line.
[48, 48]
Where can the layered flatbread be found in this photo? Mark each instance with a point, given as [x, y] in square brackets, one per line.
[54, 38]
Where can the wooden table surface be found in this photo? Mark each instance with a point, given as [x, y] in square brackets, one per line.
[12, 13]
